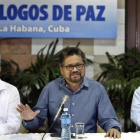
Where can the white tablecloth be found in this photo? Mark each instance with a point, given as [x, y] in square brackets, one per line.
[88, 136]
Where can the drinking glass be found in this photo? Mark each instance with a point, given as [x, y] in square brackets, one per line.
[79, 126]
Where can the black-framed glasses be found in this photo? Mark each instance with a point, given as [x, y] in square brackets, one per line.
[71, 67]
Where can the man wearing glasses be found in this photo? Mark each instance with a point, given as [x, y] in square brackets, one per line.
[88, 101]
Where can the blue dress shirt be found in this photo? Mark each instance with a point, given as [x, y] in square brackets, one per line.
[88, 104]
[135, 108]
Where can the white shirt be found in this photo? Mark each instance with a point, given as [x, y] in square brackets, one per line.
[135, 108]
[9, 117]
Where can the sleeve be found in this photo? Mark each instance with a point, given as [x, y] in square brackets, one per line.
[135, 107]
[13, 117]
[107, 118]
[42, 105]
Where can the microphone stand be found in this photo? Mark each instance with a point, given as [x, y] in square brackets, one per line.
[53, 122]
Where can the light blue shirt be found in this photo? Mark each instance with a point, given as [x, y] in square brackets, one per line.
[135, 108]
[88, 104]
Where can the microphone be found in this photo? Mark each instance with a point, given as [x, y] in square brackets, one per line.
[64, 100]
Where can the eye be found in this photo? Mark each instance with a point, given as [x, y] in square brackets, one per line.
[70, 67]
[79, 65]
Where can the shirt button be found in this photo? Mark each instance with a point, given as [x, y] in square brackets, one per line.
[72, 103]
[72, 114]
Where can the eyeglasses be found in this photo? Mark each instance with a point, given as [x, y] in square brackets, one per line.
[71, 67]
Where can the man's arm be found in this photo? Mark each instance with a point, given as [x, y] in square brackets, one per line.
[13, 117]
[107, 118]
[34, 119]
[135, 107]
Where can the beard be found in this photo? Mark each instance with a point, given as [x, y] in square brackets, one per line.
[75, 77]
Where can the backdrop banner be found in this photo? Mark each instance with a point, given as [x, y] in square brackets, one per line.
[58, 19]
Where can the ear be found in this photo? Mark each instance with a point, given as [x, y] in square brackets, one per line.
[61, 69]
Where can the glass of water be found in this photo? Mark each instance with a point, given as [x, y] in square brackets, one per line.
[79, 126]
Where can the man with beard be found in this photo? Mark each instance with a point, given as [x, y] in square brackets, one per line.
[88, 101]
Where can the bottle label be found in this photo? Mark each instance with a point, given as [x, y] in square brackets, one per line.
[66, 121]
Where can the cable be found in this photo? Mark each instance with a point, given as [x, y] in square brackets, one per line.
[52, 123]
[48, 130]
[60, 110]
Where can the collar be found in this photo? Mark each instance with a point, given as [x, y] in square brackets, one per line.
[2, 85]
[84, 84]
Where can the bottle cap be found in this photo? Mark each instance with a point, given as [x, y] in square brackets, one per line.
[65, 109]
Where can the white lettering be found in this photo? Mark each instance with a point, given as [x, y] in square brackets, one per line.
[59, 28]
[3, 29]
[23, 28]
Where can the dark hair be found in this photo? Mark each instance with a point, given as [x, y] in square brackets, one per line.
[69, 51]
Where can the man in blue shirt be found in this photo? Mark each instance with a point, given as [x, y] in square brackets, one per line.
[88, 101]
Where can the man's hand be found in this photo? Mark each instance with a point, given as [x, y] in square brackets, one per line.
[113, 133]
[26, 112]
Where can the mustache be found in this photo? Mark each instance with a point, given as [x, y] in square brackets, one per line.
[76, 72]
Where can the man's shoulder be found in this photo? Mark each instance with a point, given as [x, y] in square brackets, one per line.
[137, 91]
[6, 85]
[55, 82]
[95, 87]
[9, 89]
[93, 82]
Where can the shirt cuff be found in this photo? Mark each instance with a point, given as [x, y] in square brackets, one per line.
[28, 120]
[116, 127]
[26, 123]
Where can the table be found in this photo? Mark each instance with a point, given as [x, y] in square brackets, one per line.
[88, 136]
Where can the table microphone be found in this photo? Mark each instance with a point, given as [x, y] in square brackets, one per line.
[64, 100]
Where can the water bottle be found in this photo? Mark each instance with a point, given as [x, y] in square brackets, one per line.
[66, 125]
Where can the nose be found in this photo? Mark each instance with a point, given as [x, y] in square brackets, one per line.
[75, 69]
